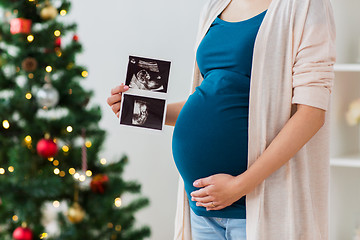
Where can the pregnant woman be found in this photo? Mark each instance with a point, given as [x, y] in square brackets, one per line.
[251, 141]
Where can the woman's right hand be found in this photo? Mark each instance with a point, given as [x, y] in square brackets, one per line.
[114, 100]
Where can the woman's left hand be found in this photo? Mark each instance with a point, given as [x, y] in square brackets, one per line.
[219, 190]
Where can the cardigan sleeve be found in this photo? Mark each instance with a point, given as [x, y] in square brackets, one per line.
[313, 69]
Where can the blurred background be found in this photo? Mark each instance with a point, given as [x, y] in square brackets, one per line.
[111, 30]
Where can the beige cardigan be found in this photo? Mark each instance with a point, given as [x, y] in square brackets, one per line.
[293, 61]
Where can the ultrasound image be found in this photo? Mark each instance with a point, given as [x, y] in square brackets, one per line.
[140, 113]
[145, 112]
[148, 74]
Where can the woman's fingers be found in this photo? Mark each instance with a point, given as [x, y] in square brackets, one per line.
[114, 99]
[210, 206]
[116, 94]
[115, 107]
[202, 192]
[215, 208]
[203, 199]
[207, 205]
[119, 89]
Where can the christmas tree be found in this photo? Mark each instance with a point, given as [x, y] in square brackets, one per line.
[50, 139]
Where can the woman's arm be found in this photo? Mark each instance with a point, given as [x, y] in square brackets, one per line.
[172, 112]
[300, 128]
[224, 189]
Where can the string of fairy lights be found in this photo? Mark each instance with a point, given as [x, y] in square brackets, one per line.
[65, 148]
[72, 171]
[28, 140]
[76, 175]
[57, 204]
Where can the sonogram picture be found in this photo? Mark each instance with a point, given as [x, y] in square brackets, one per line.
[144, 104]
[140, 113]
[148, 74]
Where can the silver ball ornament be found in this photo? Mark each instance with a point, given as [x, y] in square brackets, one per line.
[47, 96]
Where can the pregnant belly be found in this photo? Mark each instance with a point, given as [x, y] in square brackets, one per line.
[210, 135]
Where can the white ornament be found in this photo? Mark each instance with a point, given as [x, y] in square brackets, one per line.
[47, 96]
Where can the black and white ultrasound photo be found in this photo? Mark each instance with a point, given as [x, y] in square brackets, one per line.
[148, 74]
[140, 111]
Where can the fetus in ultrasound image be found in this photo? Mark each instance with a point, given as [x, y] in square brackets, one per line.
[140, 113]
[148, 74]
[144, 112]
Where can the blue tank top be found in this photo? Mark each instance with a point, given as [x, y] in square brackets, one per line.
[211, 132]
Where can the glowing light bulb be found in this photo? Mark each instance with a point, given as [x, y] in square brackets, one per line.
[28, 96]
[48, 69]
[15, 218]
[2, 171]
[76, 175]
[6, 124]
[63, 12]
[84, 74]
[11, 169]
[82, 178]
[56, 203]
[43, 235]
[69, 129]
[88, 144]
[103, 161]
[51, 159]
[31, 76]
[62, 174]
[117, 202]
[28, 139]
[65, 148]
[88, 173]
[57, 33]
[30, 38]
[56, 163]
[56, 171]
[72, 171]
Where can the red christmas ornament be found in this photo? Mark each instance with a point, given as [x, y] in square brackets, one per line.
[46, 148]
[20, 25]
[58, 42]
[98, 183]
[75, 38]
[21, 233]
